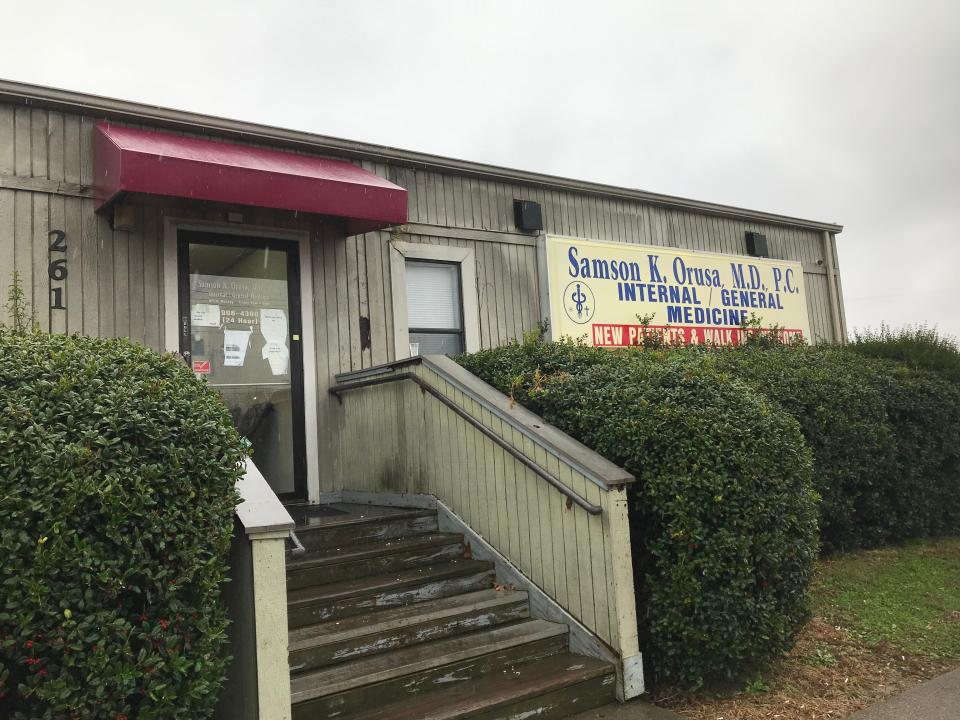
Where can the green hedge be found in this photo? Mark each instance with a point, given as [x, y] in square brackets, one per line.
[885, 435]
[922, 485]
[843, 417]
[885, 438]
[723, 515]
[117, 473]
[918, 347]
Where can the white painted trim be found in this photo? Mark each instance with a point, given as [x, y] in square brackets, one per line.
[308, 349]
[469, 292]
[171, 299]
[543, 285]
[260, 511]
[835, 309]
[447, 231]
[273, 535]
[632, 678]
[270, 628]
[171, 335]
[617, 532]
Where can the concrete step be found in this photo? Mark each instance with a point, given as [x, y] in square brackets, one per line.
[335, 601]
[329, 643]
[374, 525]
[407, 673]
[547, 689]
[331, 565]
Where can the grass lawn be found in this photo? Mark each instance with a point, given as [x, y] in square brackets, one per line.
[906, 597]
[883, 620]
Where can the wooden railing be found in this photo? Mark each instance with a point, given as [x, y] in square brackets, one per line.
[552, 507]
[572, 497]
[258, 678]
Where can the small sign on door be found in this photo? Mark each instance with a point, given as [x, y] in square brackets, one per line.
[201, 367]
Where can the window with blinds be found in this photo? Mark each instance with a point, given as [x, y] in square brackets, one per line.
[434, 308]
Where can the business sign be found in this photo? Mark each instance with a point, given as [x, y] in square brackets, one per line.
[603, 292]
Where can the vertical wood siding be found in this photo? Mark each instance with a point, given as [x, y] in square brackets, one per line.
[508, 300]
[104, 294]
[115, 281]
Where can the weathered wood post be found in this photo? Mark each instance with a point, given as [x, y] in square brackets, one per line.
[258, 680]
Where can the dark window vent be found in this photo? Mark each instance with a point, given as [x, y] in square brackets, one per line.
[757, 245]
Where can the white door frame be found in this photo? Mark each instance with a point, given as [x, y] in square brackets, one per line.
[171, 331]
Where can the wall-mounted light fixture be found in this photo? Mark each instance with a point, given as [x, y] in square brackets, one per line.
[124, 217]
[757, 245]
[527, 215]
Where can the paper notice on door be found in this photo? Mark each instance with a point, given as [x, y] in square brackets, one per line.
[273, 327]
[235, 344]
[278, 356]
[203, 315]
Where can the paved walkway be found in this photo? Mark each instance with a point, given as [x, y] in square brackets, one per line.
[937, 699]
[633, 710]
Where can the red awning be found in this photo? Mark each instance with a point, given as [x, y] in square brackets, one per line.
[143, 161]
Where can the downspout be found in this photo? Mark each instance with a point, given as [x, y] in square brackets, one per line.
[832, 293]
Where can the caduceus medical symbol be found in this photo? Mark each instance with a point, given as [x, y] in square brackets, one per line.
[579, 299]
[579, 304]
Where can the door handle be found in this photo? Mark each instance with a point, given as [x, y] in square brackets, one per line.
[185, 338]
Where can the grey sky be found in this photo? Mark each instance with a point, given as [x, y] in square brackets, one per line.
[833, 110]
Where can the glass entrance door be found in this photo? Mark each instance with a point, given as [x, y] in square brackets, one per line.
[240, 329]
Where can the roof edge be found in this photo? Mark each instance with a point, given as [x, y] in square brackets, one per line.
[113, 109]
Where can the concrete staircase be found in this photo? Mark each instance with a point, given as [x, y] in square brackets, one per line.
[389, 618]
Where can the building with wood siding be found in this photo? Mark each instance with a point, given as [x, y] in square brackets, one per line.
[116, 215]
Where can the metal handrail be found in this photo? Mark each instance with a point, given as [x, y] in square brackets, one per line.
[298, 548]
[572, 497]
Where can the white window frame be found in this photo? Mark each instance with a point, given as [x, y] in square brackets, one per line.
[400, 252]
